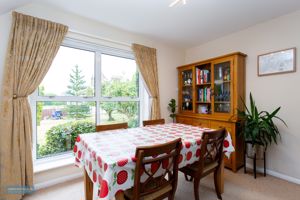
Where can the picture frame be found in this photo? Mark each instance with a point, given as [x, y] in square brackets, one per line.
[277, 62]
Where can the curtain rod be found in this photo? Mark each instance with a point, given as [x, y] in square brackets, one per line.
[99, 38]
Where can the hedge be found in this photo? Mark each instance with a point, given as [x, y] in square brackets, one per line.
[61, 138]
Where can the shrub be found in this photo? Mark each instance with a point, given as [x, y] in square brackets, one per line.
[62, 137]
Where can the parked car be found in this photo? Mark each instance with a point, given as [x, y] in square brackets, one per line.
[57, 115]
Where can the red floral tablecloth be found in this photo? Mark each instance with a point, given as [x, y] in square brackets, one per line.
[108, 157]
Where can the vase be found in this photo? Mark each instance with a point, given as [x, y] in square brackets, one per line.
[257, 149]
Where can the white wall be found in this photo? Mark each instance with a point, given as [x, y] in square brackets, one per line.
[269, 91]
[168, 57]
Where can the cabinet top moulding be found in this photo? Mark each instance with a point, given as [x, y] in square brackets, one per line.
[211, 59]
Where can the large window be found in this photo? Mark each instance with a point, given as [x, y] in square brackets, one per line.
[86, 85]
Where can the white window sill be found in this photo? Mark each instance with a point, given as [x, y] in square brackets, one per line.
[46, 164]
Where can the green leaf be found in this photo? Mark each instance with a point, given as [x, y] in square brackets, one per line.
[258, 126]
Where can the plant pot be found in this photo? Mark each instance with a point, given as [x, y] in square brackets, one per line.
[257, 149]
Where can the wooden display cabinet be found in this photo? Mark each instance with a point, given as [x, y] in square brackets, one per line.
[209, 94]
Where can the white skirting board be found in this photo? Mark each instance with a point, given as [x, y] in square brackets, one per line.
[56, 181]
[275, 174]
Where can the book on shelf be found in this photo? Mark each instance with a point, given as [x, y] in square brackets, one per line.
[202, 76]
[204, 94]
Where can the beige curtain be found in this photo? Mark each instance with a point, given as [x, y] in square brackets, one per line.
[147, 63]
[33, 45]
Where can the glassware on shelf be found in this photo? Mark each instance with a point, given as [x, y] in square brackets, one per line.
[222, 107]
[187, 78]
[220, 73]
[226, 75]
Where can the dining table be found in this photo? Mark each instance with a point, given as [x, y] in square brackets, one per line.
[108, 157]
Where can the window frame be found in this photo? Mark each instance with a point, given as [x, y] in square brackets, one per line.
[97, 98]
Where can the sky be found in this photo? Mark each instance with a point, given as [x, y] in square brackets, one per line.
[57, 78]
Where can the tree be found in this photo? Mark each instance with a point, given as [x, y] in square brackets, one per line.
[117, 87]
[109, 89]
[78, 110]
[77, 83]
[77, 88]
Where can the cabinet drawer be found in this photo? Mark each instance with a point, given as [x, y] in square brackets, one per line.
[229, 127]
[219, 124]
[227, 161]
[184, 120]
[201, 123]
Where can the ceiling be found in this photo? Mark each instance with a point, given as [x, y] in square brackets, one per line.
[185, 26]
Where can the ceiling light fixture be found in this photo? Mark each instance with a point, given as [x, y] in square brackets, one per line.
[177, 2]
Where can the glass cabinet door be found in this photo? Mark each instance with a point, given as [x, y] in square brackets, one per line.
[187, 90]
[222, 87]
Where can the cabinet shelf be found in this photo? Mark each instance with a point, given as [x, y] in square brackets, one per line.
[222, 102]
[203, 102]
[203, 84]
[221, 81]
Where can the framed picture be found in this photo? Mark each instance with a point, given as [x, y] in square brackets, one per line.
[277, 62]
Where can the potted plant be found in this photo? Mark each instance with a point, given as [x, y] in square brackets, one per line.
[172, 108]
[258, 128]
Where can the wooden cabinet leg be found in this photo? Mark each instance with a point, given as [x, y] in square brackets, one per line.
[88, 186]
[221, 177]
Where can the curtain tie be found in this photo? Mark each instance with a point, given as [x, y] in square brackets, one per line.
[154, 97]
[19, 97]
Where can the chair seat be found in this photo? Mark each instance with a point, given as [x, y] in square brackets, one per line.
[193, 168]
[129, 193]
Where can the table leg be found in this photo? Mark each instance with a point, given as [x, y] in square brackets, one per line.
[221, 177]
[120, 196]
[88, 186]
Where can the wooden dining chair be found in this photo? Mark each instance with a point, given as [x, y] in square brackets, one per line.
[210, 161]
[107, 127]
[153, 122]
[156, 172]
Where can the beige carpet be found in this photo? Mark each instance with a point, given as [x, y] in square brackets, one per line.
[238, 186]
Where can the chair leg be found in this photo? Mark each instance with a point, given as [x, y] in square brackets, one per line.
[218, 191]
[196, 188]
[171, 196]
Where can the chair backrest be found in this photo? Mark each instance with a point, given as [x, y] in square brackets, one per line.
[212, 148]
[153, 122]
[158, 165]
[111, 127]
